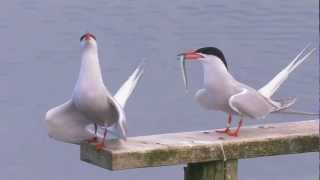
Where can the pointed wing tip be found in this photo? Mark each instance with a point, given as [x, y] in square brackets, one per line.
[48, 114]
[140, 69]
[142, 63]
[312, 50]
[271, 87]
[308, 45]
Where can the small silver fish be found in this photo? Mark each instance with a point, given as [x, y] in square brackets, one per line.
[183, 70]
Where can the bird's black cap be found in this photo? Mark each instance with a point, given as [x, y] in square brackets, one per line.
[213, 51]
[87, 35]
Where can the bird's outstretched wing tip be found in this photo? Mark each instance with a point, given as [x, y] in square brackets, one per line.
[141, 65]
[273, 85]
[138, 71]
[308, 45]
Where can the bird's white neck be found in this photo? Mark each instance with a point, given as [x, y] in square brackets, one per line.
[90, 72]
[215, 75]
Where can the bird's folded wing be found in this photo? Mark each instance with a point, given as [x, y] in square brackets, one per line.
[119, 129]
[250, 103]
[124, 92]
[65, 123]
[272, 86]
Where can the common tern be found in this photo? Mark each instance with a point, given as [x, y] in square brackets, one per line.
[91, 102]
[222, 92]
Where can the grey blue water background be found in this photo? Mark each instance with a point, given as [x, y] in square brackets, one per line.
[40, 59]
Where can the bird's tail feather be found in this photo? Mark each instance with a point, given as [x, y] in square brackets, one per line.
[272, 86]
[295, 112]
[124, 92]
[280, 104]
[283, 105]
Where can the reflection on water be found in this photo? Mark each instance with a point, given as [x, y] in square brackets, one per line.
[40, 64]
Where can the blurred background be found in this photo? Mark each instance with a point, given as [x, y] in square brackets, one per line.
[40, 60]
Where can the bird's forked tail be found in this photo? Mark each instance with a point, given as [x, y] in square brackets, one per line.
[283, 105]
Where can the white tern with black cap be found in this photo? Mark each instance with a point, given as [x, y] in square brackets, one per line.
[222, 92]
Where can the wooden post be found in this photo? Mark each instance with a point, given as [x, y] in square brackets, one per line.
[214, 170]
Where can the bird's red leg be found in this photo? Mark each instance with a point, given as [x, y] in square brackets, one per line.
[95, 138]
[102, 144]
[236, 132]
[227, 129]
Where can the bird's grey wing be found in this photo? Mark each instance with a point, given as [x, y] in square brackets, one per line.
[119, 101]
[272, 86]
[119, 128]
[65, 123]
[250, 103]
[124, 92]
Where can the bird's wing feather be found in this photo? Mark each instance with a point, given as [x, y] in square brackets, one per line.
[124, 92]
[250, 103]
[272, 86]
[120, 98]
[120, 127]
[65, 123]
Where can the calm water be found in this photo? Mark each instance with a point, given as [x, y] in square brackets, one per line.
[40, 63]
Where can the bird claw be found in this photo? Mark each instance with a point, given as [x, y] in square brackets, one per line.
[229, 132]
[100, 146]
[226, 130]
[233, 134]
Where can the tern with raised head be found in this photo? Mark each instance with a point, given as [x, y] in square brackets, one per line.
[91, 102]
[222, 92]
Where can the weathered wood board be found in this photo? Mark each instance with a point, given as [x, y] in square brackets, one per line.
[203, 146]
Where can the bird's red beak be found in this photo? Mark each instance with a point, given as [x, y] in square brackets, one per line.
[191, 55]
[87, 37]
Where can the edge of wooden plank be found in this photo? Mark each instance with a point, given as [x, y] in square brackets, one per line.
[146, 154]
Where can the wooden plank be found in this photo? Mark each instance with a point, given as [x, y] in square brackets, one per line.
[213, 170]
[204, 146]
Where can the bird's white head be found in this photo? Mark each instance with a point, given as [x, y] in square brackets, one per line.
[88, 40]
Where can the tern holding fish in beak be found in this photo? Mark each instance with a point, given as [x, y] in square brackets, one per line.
[91, 102]
[223, 92]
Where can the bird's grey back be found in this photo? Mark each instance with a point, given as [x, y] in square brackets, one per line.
[251, 103]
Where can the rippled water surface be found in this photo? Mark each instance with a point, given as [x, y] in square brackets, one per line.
[40, 62]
